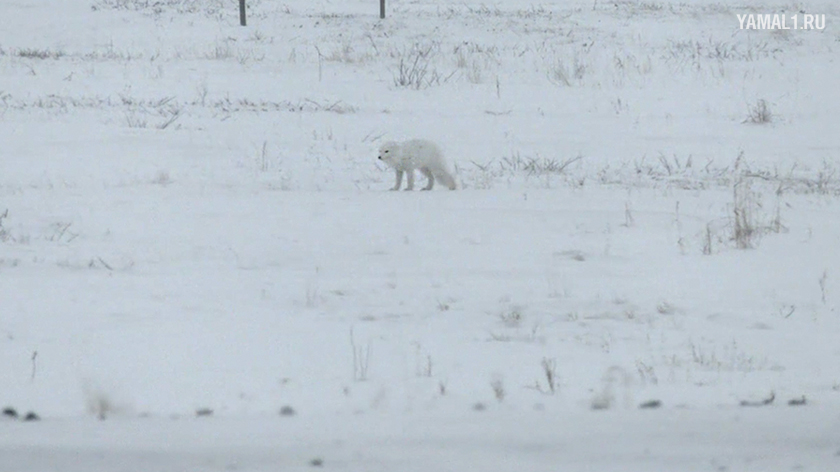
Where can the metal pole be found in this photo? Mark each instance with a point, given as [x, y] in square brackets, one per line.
[381, 9]
[242, 12]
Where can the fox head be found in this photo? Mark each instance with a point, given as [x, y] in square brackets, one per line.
[387, 151]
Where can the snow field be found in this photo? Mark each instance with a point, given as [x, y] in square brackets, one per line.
[196, 220]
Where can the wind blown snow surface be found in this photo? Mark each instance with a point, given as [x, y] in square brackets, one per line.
[201, 268]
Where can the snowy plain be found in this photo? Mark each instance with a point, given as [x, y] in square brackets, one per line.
[196, 236]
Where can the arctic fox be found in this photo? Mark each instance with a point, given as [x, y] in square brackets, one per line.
[417, 154]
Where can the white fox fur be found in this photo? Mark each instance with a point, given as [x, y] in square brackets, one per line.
[419, 154]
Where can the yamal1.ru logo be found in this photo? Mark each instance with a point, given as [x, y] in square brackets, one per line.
[782, 21]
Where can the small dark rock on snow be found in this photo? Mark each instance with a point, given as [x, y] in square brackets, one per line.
[287, 411]
[767, 401]
[31, 416]
[797, 401]
[316, 462]
[10, 412]
[204, 412]
[650, 404]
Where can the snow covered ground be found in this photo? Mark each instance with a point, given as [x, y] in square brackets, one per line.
[201, 267]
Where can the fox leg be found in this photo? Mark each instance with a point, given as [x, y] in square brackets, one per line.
[399, 180]
[410, 175]
[429, 176]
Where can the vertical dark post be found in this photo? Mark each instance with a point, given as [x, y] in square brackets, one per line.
[381, 8]
[242, 12]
